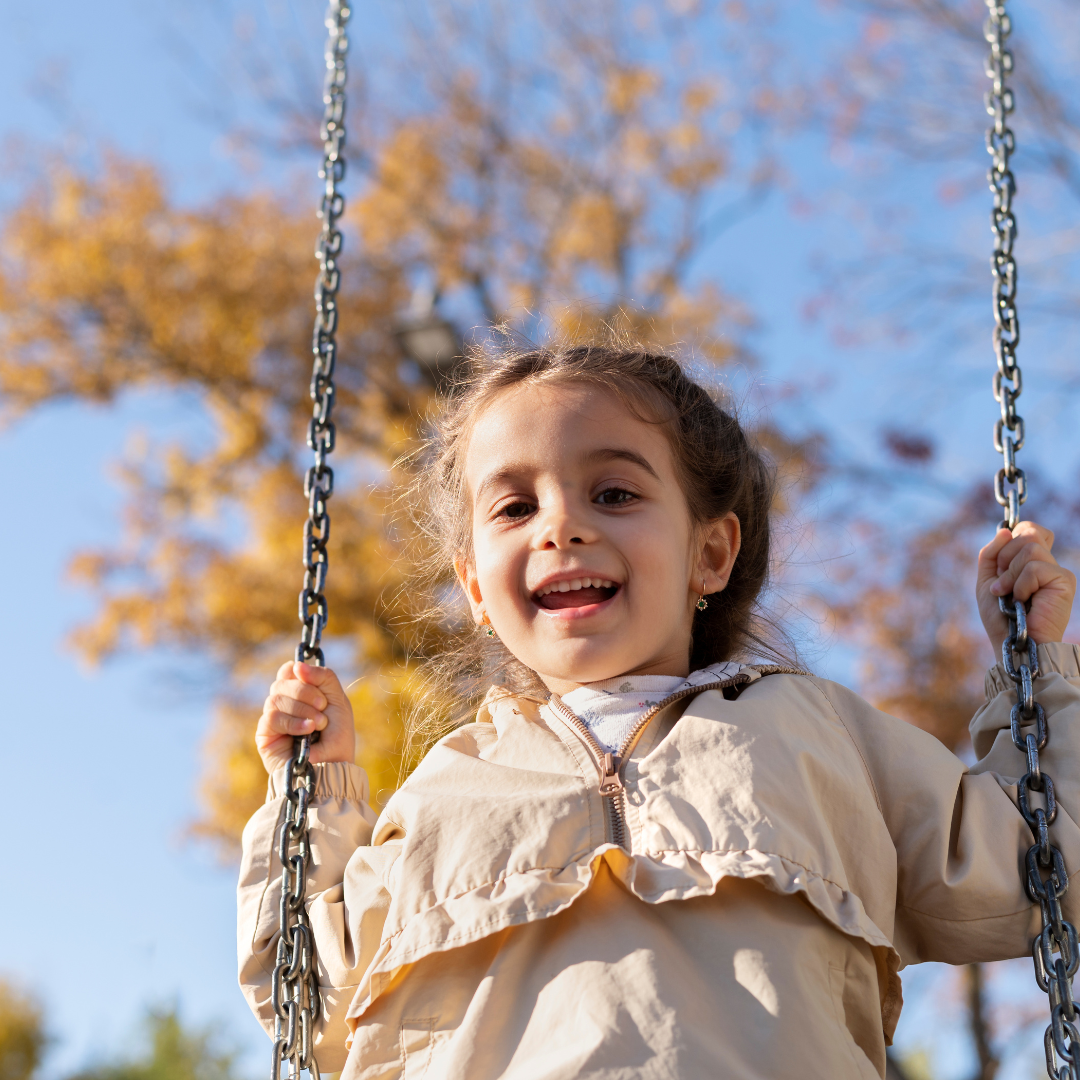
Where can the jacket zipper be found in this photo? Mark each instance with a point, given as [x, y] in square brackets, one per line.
[611, 765]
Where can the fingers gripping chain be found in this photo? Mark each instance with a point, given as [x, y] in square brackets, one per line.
[294, 988]
[1055, 951]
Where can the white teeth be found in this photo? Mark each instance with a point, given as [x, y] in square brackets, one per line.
[575, 584]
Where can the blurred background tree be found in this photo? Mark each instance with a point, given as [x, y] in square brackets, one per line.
[172, 1051]
[22, 1033]
[900, 95]
[548, 188]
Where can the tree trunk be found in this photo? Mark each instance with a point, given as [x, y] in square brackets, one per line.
[980, 1030]
[893, 1069]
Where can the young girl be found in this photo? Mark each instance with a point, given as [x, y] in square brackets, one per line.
[646, 857]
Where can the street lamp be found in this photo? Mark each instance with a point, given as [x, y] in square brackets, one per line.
[427, 338]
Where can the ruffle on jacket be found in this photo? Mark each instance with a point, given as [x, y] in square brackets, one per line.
[540, 893]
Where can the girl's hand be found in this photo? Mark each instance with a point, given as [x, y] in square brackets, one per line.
[304, 699]
[1020, 563]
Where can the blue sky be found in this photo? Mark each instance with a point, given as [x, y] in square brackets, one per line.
[113, 909]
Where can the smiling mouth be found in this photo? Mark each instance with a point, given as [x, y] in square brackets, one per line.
[579, 592]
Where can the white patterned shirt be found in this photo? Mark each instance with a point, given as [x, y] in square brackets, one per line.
[611, 708]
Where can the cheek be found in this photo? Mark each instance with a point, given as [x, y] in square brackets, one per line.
[661, 554]
[496, 567]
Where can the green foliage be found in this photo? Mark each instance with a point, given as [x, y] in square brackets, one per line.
[22, 1033]
[916, 1065]
[173, 1053]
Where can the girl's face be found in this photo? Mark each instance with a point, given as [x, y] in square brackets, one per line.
[585, 559]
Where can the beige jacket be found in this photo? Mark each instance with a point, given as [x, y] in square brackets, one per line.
[784, 854]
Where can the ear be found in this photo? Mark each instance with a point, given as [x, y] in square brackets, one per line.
[470, 587]
[721, 540]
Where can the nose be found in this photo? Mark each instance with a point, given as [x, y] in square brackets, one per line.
[562, 525]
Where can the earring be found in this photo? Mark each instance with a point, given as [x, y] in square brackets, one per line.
[487, 627]
[702, 603]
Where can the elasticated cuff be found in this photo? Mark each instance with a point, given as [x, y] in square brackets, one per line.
[1055, 657]
[333, 780]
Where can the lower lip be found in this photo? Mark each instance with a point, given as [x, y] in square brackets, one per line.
[585, 611]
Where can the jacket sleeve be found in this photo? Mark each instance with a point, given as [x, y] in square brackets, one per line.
[340, 820]
[960, 838]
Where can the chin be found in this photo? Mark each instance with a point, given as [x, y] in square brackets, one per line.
[584, 665]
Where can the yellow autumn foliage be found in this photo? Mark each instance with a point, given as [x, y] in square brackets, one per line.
[626, 87]
[406, 202]
[590, 232]
[508, 203]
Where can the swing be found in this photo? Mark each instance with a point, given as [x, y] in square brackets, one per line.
[295, 993]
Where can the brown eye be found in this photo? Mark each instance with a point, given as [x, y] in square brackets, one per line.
[615, 497]
[516, 511]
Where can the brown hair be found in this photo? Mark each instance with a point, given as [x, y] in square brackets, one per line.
[719, 469]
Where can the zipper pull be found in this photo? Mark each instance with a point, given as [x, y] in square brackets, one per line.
[610, 783]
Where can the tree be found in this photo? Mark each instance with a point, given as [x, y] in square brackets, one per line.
[598, 163]
[909, 604]
[173, 1053]
[905, 97]
[22, 1033]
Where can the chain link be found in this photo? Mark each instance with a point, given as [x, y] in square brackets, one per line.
[1054, 951]
[294, 990]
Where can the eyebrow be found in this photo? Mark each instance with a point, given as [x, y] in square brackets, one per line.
[507, 472]
[618, 453]
[594, 457]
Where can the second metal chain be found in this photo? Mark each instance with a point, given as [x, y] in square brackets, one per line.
[295, 989]
[1055, 950]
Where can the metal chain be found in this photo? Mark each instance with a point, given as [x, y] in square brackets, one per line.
[1008, 384]
[1055, 950]
[1053, 973]
[294, 991]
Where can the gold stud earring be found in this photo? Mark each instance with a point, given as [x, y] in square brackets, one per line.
[485, 625]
